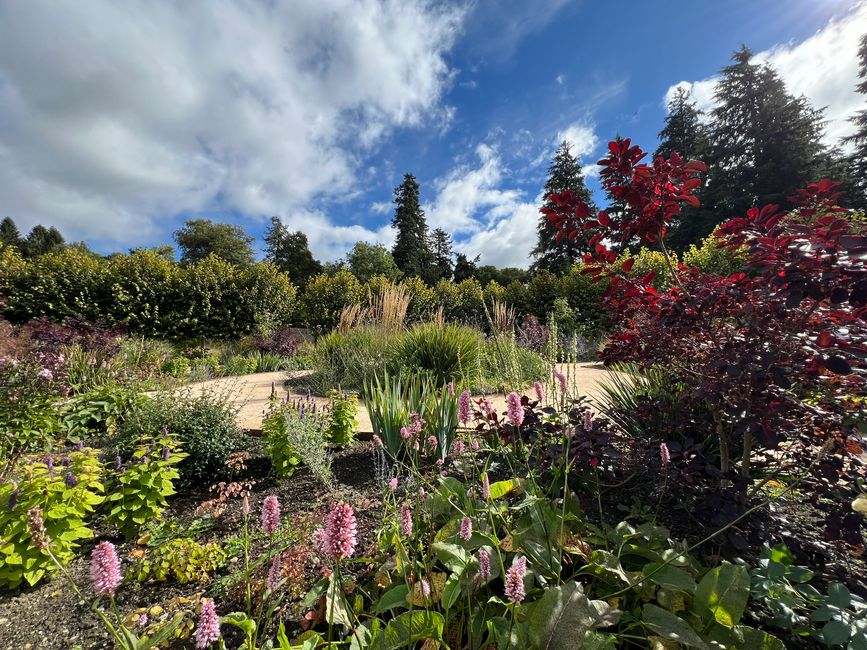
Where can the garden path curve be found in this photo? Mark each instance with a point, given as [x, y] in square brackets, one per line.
[250, 393]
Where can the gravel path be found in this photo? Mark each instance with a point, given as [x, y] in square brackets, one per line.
[251, 392]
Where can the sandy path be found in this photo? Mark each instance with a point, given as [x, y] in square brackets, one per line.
[250, 393]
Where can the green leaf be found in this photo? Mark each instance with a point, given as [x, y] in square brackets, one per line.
[240, 620]
[564, 614]
[670, 577]
[409, 628]
[835, 632]
[723, 593]
[164, 632]
[452, 591]
[336, 610]
[839, 596]
[754, 639]
[503, 488]
[394, 597]
[671, 626]
[451, 555]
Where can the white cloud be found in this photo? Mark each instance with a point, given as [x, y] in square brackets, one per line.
[824, 68]
[115, 115]
[582, 138]
[381, 207]
[497, 223]
[327, 241]
[560, 78]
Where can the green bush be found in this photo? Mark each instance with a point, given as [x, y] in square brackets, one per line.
[97, 411]
[325, 297]
[178, 367]
[183, 558]
[448, 352]
[342, 420]
[66, 504]
[346, 360]
[710, 258]
[29, 418]
[284, 459]
[138, 494]
[204, 423]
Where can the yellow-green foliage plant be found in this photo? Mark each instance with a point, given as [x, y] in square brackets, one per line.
[710, 258]
[67, 489]
[183, 559]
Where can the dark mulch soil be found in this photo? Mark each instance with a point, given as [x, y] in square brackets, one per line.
[50, 617]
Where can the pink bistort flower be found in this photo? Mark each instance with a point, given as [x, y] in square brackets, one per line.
[664, 454]
[208, 629]
[540, 392]
[561, 380]
[515, 580]
[270, 514]
[466, 529]
[459, 448]
[404, 433]
[432, 442]
[484, 565]
[514, 410]
[340, 534]
[464, 408]
[588, 421]
[451, 389]
[425, 588]
[392, 484]
[475, 444]
[105, 569]
[275, 572]
[406, 520]
[486, 487]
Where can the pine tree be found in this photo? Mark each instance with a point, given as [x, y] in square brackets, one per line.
[9, 233]
[441, 246]
[858, 159]
[563, 174]
[685, 134]
[290, 252]
[411, 251]
[765, 142]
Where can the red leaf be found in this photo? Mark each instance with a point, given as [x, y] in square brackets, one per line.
[626, 267]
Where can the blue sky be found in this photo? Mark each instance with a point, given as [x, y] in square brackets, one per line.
[120, 120]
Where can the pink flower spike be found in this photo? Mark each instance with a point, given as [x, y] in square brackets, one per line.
[466, 529]
[484, 565]
[588, 421]
[540, 392]
[433, 442]
[515, 580]
[208, 630]
[105, 569]
[514, 410]
[561, 380]
[406, 520]
[270, 514]
[275, 573]
[404, 433]
[451, 389]
[340, 536]
[475, 444]
[459, 447]
[425, 588]
[664, 454]
[464, 409]
[486, 487]
[392, 484]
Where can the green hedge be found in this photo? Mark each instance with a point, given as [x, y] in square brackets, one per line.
[154, 297]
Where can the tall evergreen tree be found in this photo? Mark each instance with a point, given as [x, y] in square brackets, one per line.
[858, 159]
[465, 268]
[42, 240]
[290, 252]
[9, 233]
[563, 174]
[441, 247]
[685, 134]
[411, 250]
[765, 142]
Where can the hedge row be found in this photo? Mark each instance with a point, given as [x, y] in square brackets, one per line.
[213, 299]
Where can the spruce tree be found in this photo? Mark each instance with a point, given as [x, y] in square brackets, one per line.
[289, 252]
[685, 134]
[411, 251]
[9, 233]
[441, 246]
[563, 174]
[858, 159]
[765, 142]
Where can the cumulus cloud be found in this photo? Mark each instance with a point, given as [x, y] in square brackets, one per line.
[329, 241]
[582, 138]
[823, 68]
[494, 222]
[114, 116]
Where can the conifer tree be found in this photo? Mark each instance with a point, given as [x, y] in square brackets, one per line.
[441, 247]
[685, 134]
[765, 142]
[42, 240]
[858, 159]
[411, 250]
[9, 233]
[563, 174]
[465, 268]
[290, 253]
